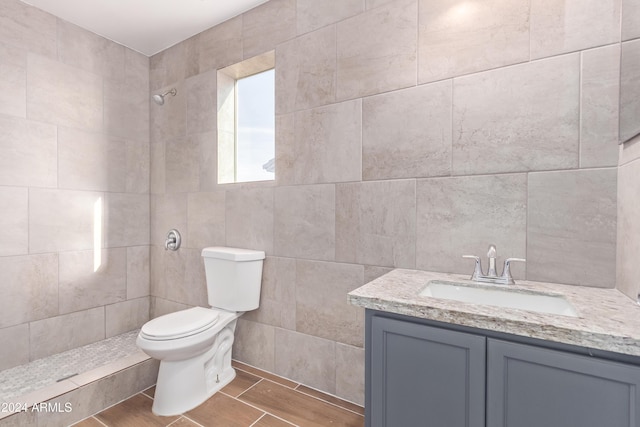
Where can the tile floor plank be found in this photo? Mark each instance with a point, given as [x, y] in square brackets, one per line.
[298, 408]
[224, 411]
[331, 399]
[133, 412]
[271, 421]
[240, 383]
[276, 379]
[183, 422]
[89, 422]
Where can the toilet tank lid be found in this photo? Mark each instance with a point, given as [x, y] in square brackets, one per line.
[232, 254]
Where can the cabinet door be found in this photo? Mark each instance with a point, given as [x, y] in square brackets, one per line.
[424, 376]
[534, 387]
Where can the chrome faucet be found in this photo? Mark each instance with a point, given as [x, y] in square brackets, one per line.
[492, 275]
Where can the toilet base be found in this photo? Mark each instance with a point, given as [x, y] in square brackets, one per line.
[185, 384]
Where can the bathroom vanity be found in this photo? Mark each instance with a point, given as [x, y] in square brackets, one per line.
[443, 362]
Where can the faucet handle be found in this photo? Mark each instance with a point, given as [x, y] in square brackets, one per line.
[506, 273]
[477, 271]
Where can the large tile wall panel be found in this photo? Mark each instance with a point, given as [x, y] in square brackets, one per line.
[314, 14]
[174, 64]
[254, 343]
[169, 211]
[628, 267]
[90, 52]
[328, 144]
[63, 220]
[28, 28]
[61, 333]
[13, 81]
[13, 220]
[202, 103]
[376, 223]
[91, 279]
[383, 60]
[305, 358]
[249, 218]
[519, 118]
[138, 274]
[305, 221]
[459, 38]
[206, 219]
[463, 215]
[182, 168]
[126, 316]
[267, 25]
[29, 288]
[220, 46]
[91, 161]
[169, 120]
[29, 153]
[560, 26]
[599, 97]
[407, 133]
[285, 162]
[18, 336]
[277, 294]
[571, 229]
[630, 89]
[126, 110]
[179, 276]
[64, 95]
[321, 310]
[306, 71]
[630, 19]
[350, 373]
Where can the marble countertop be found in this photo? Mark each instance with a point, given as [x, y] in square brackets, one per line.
[607, 319]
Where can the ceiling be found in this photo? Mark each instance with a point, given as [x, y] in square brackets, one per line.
[147, 26]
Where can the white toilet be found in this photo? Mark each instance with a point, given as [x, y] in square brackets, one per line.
[194, 345]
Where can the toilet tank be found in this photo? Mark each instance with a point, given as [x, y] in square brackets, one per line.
[234, 277]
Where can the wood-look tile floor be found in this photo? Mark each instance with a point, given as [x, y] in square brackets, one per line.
[253, 398]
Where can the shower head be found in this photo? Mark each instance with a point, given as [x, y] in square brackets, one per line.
[159, 99]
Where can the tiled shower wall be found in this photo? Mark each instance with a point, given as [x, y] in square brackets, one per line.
[408, 133]
[74, 177]
[628, 280]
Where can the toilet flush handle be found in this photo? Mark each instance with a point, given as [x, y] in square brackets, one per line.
[173, 240]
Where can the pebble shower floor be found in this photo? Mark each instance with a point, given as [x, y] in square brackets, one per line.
[23, 379]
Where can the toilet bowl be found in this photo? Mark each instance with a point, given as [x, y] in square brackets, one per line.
[194, 345]
[195, 361]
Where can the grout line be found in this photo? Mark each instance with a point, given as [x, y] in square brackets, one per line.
[252, 386]
[256, 421]
[148, 397]
[187, 418]
[98, 420]
[330, 403]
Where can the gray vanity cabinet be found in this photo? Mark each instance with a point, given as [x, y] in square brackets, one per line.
[430, 374]
[425, 376]
[529, 386]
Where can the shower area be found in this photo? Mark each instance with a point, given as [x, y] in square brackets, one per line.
[75, 186]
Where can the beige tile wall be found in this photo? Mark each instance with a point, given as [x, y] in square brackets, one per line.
[409, 133]
[74, 130]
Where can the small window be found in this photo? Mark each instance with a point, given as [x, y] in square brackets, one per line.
[246, 121]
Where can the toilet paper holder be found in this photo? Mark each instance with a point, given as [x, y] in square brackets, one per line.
[173, 240]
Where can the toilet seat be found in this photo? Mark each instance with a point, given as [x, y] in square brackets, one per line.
[180, 324]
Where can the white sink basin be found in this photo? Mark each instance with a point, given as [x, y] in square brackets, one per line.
[500, 297]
